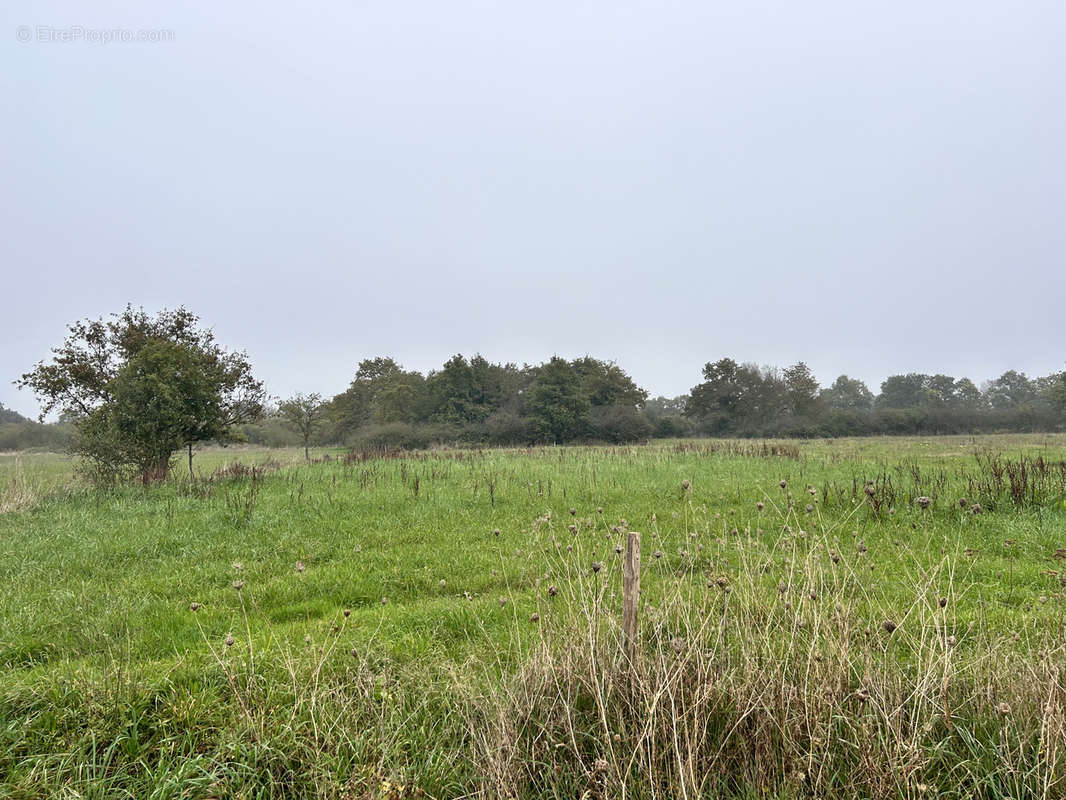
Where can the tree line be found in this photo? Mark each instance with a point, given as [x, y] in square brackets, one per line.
[133, 390]
[588, 399]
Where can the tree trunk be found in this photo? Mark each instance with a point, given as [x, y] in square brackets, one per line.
[307, 452]
[191, 476]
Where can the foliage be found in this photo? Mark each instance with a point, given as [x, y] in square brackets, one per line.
[848, 394]
[619, 423]
[305, 414]
[35, 436]
[556, 405]
[138, 387]
[9, 417]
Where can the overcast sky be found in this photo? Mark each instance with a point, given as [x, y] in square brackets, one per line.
[870, 187]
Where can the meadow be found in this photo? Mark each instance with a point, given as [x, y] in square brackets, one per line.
[858, 617]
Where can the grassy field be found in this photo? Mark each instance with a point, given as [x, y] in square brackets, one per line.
[889, 623]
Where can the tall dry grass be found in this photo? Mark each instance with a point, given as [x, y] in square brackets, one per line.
[20, 493]
[746, 684]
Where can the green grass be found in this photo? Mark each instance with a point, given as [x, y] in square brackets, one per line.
[113, 687]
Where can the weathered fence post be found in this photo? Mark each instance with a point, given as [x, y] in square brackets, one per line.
[631, 595]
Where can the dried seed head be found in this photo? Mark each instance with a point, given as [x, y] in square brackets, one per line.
[229, 640]
[618, 549]
[194, 606]
[496, 532]
[300, 566]
[782, 587]
[943, 601]
[811, 491]
[503, 601]
[572, 529]
[889, 626]
[975, 508]
[686, 485]
[384, 600]
[923, 501]
[869, 490]
[760, 505]
[963, 502]
[863, 694]
[599, 510]
[783, 484]
[600, 765]
[237, 566]
[596, 566]
[553, 590]
[238, 585]
[443, 583]
[658, 554]
[307, 638]
[809, 508]
[347, 612]
[677, 644]
[1003, 709]
[534, 617]
[573, 511]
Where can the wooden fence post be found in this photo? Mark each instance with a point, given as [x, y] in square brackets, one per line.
[631, 595]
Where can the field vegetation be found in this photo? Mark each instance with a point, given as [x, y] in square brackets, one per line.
[888, 623]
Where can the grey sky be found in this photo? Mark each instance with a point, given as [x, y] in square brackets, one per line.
[870, 187]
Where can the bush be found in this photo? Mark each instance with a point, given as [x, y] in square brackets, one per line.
[674, 427]
[507, 428]
[617, 424]
[271, 432]
[399, 436]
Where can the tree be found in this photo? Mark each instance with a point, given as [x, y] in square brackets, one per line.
[848, 394]
[453, 395]
[381, 392]
[1057, 392]
[607, 384]
[967, 395]
[802, 388]
[902, 391]
[137, 388]
[736, 397]
[9, 416]
[1009, 390]
[305, 414]
[558, 409]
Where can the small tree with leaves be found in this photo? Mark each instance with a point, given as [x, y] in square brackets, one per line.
[305, 414]
[138, 388]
